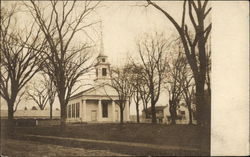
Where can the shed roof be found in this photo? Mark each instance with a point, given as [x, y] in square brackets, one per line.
[157, 108]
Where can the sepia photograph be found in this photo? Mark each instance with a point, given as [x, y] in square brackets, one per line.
[106, 78]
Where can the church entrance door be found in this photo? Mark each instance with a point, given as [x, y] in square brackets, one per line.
[93, 115]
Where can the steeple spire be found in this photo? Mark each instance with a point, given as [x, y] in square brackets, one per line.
[103, 66]
[101, 44]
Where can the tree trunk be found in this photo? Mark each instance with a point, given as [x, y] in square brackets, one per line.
[153, 112]
[63, 111]
[145, 109]
[63, 117]
[41, 108]
[200, 103]
[190, 113]
[63, 107]
[172, 110]
[51, 105]
[121, 115]
[10, 122]
[203, 115]
[137, 113]
[10, 112]
[208, 82]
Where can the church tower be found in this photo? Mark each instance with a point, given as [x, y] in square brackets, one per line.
[102, 69]
[103, 66]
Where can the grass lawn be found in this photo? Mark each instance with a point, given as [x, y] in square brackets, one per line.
[174, 135]
[12, 148]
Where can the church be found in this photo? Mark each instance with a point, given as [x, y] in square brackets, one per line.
[98, 103]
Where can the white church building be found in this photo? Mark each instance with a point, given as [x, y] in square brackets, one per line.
[98, 103]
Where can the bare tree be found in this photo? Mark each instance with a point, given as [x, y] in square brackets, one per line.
[188, 92]
[65, 62]
[19, 61]
[174, 85]
[42, 93]
[137, 82]
[38, 94]
[187, 85]
[180, 82]
[141, 91]
[136, 97]
[51, 93]
[195, 49]
[152, 51]
[122, 83]
[144, 95]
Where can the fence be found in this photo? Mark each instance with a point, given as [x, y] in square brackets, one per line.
[32, 122]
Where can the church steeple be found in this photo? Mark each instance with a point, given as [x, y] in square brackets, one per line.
[101, 42]
[103, 66]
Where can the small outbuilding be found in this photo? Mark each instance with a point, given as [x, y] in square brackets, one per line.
[163, 115]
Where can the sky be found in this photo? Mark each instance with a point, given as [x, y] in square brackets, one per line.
[123, 22]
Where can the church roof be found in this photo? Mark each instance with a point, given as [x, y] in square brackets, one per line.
[80, 93]
[100, 90]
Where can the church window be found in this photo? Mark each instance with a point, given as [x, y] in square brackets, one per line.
[182, 112]
[96, 72]
[104, 72]
[77, 110]
[69, 111]
[103, 60]
[73, 110]
[104, 109]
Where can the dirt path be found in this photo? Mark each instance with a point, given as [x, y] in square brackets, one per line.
[151, 146]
